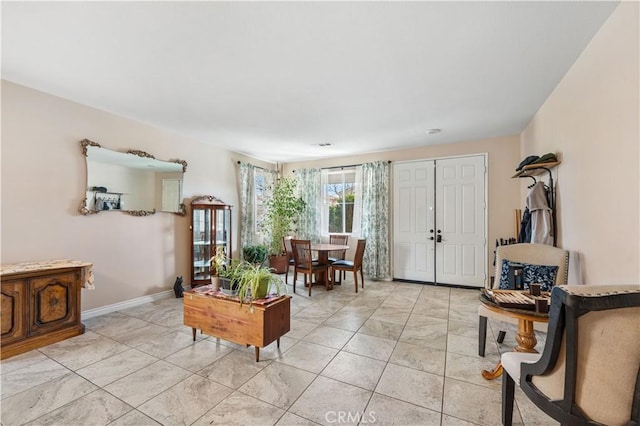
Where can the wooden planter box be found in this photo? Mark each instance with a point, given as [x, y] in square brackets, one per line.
[226, 318]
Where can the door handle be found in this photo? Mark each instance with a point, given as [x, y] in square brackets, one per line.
[431, 238]
[439, 239]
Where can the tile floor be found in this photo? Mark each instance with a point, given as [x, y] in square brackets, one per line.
[395, 353]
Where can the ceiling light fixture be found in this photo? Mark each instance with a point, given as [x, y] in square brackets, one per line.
[433, 131]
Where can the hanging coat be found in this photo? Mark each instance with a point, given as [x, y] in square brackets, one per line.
[525, 227]
[541, 222]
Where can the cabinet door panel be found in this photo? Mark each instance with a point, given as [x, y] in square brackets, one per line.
[53, 301]
[13, 311]
[201, 245]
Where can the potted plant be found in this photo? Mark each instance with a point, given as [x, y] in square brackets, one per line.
[218, 261]
[249, 281]
[255, 254]
[225, 272]
[282, 210]
[255, 281]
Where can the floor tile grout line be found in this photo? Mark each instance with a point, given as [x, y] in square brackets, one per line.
[173, 386]
[446, 352]
[145, 366]
[67, 404]
[129, 412]
[33, 386]
[373, 391]
[386, 365]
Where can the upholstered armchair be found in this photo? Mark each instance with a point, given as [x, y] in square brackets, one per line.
[589, 370]
[530, 254]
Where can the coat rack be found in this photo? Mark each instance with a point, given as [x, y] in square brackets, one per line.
[533, 170]
[115, 197]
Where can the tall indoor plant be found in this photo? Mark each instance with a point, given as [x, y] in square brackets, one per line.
[282, 209]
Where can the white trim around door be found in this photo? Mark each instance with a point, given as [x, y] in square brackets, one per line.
[440, 220]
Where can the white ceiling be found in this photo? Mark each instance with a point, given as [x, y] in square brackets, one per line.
[274, 79]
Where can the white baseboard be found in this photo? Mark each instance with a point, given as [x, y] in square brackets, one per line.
[90, 313]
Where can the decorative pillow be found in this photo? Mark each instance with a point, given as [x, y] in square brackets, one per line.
[511, 278]
[545, 275]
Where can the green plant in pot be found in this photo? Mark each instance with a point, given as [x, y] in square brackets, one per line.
[255, 281]
[246, 280]
[225, 271]
[282, 210]
[255, 254]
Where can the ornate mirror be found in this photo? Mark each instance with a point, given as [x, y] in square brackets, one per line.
[134, 182]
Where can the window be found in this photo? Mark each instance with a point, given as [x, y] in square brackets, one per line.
[339, 196]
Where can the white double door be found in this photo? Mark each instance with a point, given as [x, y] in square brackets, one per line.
[439, 221]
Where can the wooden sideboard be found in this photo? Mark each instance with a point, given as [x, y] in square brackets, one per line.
[227, 319]
[40, 306]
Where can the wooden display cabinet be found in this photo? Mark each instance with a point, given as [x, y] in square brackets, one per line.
[39, 307]
[210, 228]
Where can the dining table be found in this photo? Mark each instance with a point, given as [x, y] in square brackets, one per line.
[323, 250]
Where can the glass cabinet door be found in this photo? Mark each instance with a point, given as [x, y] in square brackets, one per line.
[223, 222]
[210, 228]
[201, 243]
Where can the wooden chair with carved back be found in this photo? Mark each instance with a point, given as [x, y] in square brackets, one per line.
[303, 262]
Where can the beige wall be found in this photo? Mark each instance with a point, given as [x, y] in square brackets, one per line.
[592, 120]
[503, 192]
[43, 182]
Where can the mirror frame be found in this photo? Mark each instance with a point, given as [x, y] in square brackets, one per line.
[85, 143]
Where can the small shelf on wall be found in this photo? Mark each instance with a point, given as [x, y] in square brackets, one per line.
[535, 169]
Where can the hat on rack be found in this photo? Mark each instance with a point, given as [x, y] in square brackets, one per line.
[530, 159]
[547, 158]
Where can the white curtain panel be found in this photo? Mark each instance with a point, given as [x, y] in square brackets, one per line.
[250, 229]
[356, 227]
[270, 178]
[310, 190]
[247, 204]
[375, 219]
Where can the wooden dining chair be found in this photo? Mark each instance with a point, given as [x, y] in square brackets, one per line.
[336, 255]
[286, 242]
[303, 262]
[342, 240]
[354, 265]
